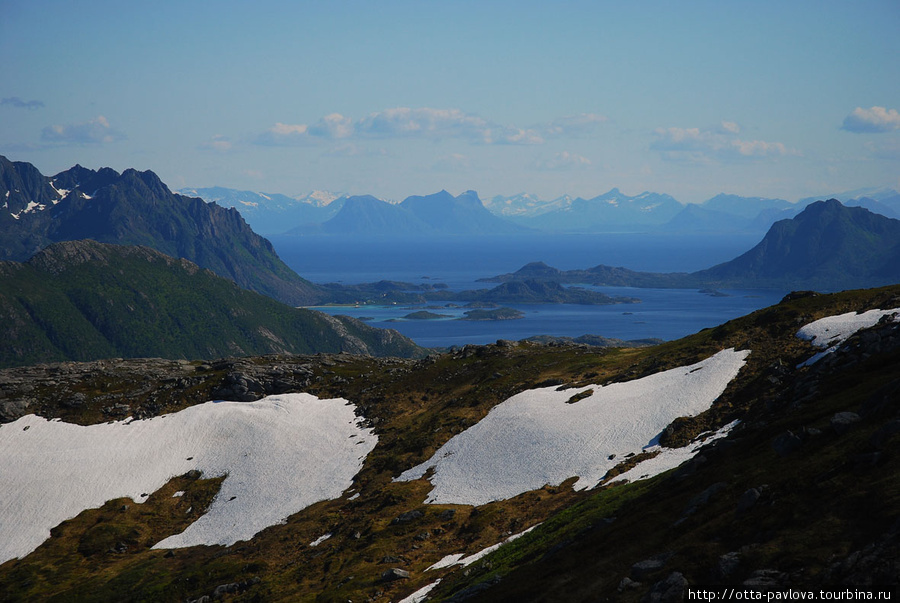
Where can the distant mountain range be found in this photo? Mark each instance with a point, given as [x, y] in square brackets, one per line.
[83, 300]
[828, 246]
[610, 212]
[136, 208]
[273, 213]
[440, 213]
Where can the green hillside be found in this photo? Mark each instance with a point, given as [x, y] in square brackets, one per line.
[83, 300]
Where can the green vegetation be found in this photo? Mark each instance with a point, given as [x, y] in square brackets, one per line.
[83, 300]
[835, 494]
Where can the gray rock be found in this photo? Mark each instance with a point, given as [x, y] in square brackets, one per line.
[10, 410]
[766, 578]
[786, 443]
[395, 573]
[407, 517]
[727, 565]
[670, 590]
[748, 500]
[642, 569]
[843, 422]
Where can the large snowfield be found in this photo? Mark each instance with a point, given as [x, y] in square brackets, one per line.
[284, 453]
[280, 454]
[536, 438]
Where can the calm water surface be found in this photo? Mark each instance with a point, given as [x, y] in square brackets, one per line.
[460, 261]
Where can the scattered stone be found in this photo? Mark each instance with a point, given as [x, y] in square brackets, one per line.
[748, 500]
[447, 514]
[786, 443]
[670, 590]
[628, 584]
[642, 569]
[766, 578]
[727, 565]
[843, 422]
[395, 573]
[407, 517]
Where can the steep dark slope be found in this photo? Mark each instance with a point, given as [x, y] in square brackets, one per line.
[83, 300]
[827, 246]
[136, 208]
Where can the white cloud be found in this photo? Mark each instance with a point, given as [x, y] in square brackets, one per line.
[696, 145]
[284, 135]
[218, 143]
[564, 161]
[427, 123]
[332, 126]
[875, 120]
[573, 125]
[95, 131]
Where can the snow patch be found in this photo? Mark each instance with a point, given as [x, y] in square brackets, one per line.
[459, 559]
[279, 455]
[831, 331]
[421, 594]
[669, 458]
[320, 539]
[535, 438]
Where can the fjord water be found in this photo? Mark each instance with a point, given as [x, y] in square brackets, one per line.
[460, 261]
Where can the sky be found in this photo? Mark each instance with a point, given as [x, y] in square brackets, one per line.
[398, 98]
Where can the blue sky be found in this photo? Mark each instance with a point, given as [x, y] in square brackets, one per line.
[778, 99]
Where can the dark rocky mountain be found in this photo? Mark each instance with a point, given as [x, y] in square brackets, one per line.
[136, 208]
[802, 493]
[827, 247]
[83, 300]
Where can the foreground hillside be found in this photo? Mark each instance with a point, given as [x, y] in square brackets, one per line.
[790, 479]
[84, 300]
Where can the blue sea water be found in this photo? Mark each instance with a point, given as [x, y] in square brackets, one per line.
[460, 261]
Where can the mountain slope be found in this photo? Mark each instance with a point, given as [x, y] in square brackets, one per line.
[440, 213]
[463, 214]
[136, 208]
[83, 300]
[803, 492]
[827, 247]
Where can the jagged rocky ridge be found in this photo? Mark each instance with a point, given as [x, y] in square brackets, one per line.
[137, 208]
[803, 493]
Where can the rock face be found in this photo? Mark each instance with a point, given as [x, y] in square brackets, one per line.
[136, 208]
